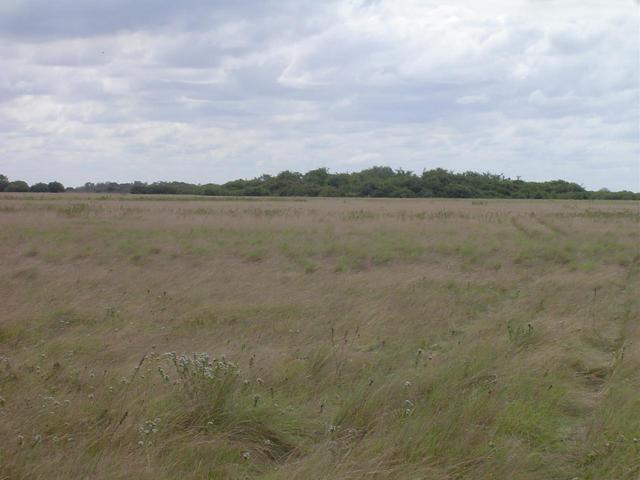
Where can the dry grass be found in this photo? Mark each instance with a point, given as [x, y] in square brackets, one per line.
[353, 339]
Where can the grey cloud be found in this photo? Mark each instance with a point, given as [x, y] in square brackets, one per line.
[42, 19]
[209, 91]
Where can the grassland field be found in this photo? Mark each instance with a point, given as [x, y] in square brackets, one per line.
[216, 338]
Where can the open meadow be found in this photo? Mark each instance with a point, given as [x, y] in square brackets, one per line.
[216, 338]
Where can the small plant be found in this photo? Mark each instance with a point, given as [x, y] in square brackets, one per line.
[520, 335]
[73, 210]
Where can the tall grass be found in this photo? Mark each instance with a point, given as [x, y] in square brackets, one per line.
[343, 339]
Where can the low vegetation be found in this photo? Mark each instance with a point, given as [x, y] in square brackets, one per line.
[155, 337]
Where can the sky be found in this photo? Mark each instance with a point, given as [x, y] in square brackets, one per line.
[213, 90]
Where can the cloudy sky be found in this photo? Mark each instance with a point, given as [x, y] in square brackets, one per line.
[212, 90]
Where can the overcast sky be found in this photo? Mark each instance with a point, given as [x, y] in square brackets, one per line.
[213, 90]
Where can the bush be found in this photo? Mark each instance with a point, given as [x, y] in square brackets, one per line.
[17, 186]
[39, 187]
[55, 187]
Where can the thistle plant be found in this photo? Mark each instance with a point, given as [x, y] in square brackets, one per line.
[207, 382]
[408, 407]
[149, 427]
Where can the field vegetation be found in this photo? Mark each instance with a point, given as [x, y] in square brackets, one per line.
[157, 337]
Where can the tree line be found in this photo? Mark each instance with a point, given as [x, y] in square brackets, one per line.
[372, 182]
[22, 186]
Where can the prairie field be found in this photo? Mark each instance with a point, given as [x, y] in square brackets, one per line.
[216, 338]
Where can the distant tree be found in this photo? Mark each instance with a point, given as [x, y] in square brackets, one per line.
[287, 184]
[4, 182]
[436, 180]
[402, 193]
[378, 172]
[55, 187]
[138, 187]
[213, 190]
[457, 190]
[18, 186]
[39, 187]
[329, 191]
[163, 188]
[110, 187]
[317, 177]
